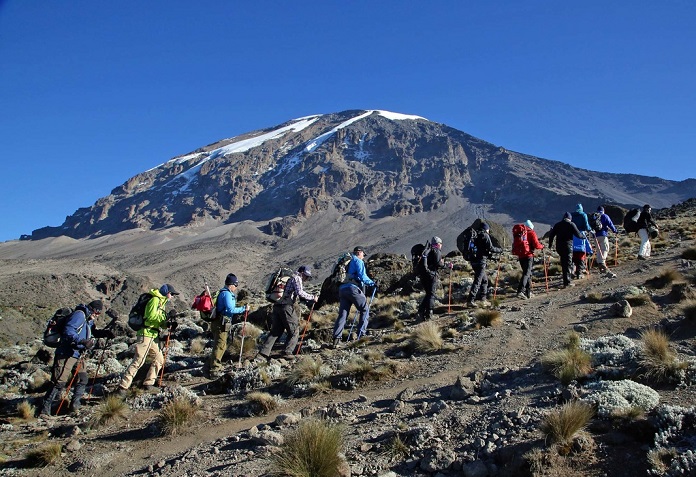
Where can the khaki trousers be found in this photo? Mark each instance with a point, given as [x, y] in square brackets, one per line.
[144, 347]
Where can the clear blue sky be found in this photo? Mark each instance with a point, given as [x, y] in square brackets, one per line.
[93, 92]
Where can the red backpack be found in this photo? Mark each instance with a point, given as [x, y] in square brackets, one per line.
[520, 245]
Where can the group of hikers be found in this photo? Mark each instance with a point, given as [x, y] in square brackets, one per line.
[572, 236]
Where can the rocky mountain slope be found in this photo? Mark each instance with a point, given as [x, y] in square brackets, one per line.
[358, 165]
[473, 405]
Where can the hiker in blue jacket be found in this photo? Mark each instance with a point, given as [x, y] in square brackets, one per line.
[579, 218]
[78, 336]
[603, 241]
[353, 293]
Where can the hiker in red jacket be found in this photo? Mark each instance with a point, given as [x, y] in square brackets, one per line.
[524, 243]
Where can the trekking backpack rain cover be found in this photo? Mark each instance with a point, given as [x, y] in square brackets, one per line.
[520, 244]
[136, 316]
[275, 284]
[630, 222]
[55, 326]
[596, 222]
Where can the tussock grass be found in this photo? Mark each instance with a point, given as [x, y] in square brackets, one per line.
[628, 414]
[569, 363]
[658, 359]
[363, 370]
[25, 410]
[426, 338]
[261, 403]
[44, 455]
[562, 425]
[689, 254]
[373, 355]
[595, 297]
[660, 459]
[396, 449]
[251, 336]
[639, 300]
[487, 318]
[177, 416]
[313, 450]
[395, 337]
[319, 387]
[197, 346]
[110, 410]
[306, 370]
[665, 278]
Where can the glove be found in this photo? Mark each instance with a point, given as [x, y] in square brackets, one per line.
[87, 344]
[172, 324]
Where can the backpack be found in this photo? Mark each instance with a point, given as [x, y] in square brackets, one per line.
[630, 222]
[471, 250]
[275, 284]
[55, 326]
[520, 244]
[136, 316]
[419, 255]
[211, 313]
[596, 222]
[339, 274]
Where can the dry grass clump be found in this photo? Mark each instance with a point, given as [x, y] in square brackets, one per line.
[44, 455]
[363, 370]
[176, 416]
[426, 338]
[394, 337]
[689, 310]
[306, 370]
[314, 449]
[660, 459]
[689, 254]
[261, 403]
[595, 297]
[487, 318]
[26, 410]
[319, 387]
[197, 346]
[396, 449]
[569, 363]
[111, 409]
[665, 278]
[251, 336]
[562, 425]
[658, 360]
[628, 414]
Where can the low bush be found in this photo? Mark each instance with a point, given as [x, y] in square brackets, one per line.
[261, 403]
[111, 409]
[44, 456]
[314, 449]
[562, 425]
[176, 416]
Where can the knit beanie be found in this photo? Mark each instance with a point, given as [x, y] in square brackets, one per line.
[231, 279]
[567, 216]
[96, 306]
[600, 209]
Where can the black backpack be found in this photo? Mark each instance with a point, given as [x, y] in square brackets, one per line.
[471, 252]
[630, 222]
[596, 222]
[55, 326]
[136, 316]
[419, 255]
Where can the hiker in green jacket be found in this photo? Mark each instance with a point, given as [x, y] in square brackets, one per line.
[147, 339]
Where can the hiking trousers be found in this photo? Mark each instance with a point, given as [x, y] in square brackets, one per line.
[145, 347]
[284, 320]
[579, 260]
[479, 288]
[220, 336]
[645, 247]
[565, 252]
[351, 295]
[430, 284]
[61, 374]
[526, 280]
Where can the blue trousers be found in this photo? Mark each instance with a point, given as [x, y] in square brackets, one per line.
[351, 295]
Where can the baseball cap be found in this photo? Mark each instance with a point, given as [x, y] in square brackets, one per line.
[358, 249]
[96, 306]
[167, 288]
[305, 270]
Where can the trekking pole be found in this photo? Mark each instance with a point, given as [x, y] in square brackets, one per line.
[164, 355]
[96, 371]
[616, 250]
[241, 346]
[449, 299]
[352, 325]
[299, 346]
[65, 394]
[369, 305]
[546, 270]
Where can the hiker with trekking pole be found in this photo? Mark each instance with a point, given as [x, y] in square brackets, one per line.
[107, 334]
[352, 292]
[478, 293]
[362, 329]
[429, 272]
[68, 362]
[225, 310]
[524, 243]
[147, 340]
[602, 240]
[304, 331]
[285, 316]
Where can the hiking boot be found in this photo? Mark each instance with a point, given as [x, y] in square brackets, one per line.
[336, 343]
[642, 257]
[610, 274]
[530, 295]
[522, 296]
[485, 303]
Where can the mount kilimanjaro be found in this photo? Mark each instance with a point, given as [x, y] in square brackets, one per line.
[356, 166]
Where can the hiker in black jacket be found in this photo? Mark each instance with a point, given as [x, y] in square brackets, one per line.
[484, 249]
[646, 225]
[429, 275]
[563, 232]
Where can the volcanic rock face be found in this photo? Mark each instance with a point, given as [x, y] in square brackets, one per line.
[366, 165]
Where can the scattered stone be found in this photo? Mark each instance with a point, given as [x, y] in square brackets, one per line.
[622, 309]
